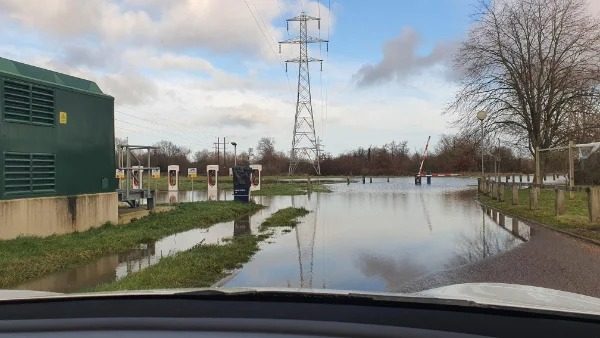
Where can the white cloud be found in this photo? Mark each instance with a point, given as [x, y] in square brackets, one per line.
[401, 60]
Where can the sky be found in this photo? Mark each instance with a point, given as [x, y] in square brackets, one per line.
[192, 71]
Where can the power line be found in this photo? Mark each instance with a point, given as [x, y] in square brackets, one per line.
[327, 59]
[161, 132]
[282, 16]
[264, 24]
[156, 123]
[170, 125]
[282, 63]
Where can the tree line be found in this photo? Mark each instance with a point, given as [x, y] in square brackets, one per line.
[453, 154]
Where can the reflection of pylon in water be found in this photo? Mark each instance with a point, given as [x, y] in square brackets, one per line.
[305, 239]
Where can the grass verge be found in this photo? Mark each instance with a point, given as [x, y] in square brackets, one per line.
[26, 258]
[287, 217]
[200, 266]
[288, 189]
[575, 220]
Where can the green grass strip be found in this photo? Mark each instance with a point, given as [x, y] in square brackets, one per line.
[26, 258]
[288, 189]
[201, 266]
[574, 220]
[287, 217]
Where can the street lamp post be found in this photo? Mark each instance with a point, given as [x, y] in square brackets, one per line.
[234, 153]
[481, 115]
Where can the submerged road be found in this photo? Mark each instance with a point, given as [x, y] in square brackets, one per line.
[549, 259]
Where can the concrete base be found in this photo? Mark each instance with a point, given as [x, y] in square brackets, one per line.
[130, 215]
[46, 216]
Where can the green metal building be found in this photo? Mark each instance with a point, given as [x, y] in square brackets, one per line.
[56, 134]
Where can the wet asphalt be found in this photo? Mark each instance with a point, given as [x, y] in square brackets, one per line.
[550, 260]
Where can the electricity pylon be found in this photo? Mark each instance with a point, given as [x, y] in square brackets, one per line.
[305, 144]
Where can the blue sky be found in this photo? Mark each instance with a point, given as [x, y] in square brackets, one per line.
[191, 71]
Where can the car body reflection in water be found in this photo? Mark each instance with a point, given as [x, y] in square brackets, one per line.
[370, 237]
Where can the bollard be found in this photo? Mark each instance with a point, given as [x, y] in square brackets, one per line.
[479, 189]
[428, 179]
[559, 202]
[495, 215]
[507, 178]
[501, 219]
[513, 178]
[533, 198]
[515, 227]
[348, 180]
[520, 178]
[501, 188]
[370, 179]
[528, 178]
[388, 180]
[515, 194]
[363, 180]
[494, 190]
[545, 178]
[594, 204]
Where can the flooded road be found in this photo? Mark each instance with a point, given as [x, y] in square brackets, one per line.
[373, 237]
[370, 237]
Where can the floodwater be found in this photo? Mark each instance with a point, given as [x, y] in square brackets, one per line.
[374, 237]
[370, 237]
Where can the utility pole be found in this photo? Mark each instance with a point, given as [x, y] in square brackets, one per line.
[218, 148]
[305, 146]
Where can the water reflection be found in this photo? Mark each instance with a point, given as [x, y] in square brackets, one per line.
[182, 196]
[241, 226]
[377, 236]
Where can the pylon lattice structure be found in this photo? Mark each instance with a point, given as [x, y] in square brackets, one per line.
[305, 144]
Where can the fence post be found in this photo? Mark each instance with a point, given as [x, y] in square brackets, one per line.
[571, 169]
[494, 190]
[520, 178]
[515, 227]
[533, 198]
[559, 202]
[501, 188]
[594, 204]
[502, 219]
[515, 194]
[479, 184]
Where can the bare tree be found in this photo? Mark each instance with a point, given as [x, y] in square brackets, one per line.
[534, 66]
